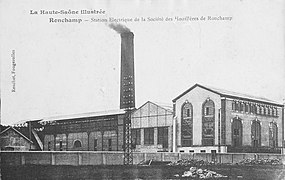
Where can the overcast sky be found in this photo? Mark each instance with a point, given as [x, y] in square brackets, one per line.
[69, 68]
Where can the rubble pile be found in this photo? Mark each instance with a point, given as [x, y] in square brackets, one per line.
[201, 174]
[260, 162]
[190, 162]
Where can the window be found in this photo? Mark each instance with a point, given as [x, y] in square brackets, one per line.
[260, 110]
[208, 123]
[202, 151]
[236, 132]
[207, 111]
[268, 111]
[233, 105]
[110, 144]
[236, 106]
[257, 109]
[272, 111]
[255, 133]
[186, 124]
[148, 136]
[77, 144]
[136, 136]
[241, 106]
[188, 112]
[162, 137]
[273, 135]
[265, 111]
[246, 107]
[95, 144]
[252, 109]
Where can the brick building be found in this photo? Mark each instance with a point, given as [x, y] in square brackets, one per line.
[98, 131]
[151, 128]
[213, 120]
[17, 139]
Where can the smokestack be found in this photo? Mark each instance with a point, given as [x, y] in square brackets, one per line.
[127, 90]
[127, 84]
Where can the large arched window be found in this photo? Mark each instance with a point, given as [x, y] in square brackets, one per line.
[236, 132]
[77, 144]
[273, 135]
[187, 125]
[208, 123]
[255, 133]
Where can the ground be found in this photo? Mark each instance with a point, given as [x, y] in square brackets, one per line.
[136, 172]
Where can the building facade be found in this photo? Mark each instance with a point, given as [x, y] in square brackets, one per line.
[12, 139]
[213, 120]
[100, 131]
[151, 128]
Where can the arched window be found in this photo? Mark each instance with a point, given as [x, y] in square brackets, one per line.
[255, 133]
[187, 125]
[273, 135]
[208, 123]
[236, 132]
[77, 144]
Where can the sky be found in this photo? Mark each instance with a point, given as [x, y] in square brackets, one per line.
[69, 68]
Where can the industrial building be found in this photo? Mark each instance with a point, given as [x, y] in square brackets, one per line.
[151, 128]
[208, 120]
[98, 131]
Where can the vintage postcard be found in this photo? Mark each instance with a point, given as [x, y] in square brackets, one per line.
[162, 84]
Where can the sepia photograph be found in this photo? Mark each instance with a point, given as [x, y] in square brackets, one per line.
[142, 89]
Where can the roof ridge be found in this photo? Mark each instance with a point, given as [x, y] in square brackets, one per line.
[241, 93]
[229, 93]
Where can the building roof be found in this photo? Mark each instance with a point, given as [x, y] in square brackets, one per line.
[24, 123]
[18, 132]
[230, 94]
[164, 106]
[83, 115]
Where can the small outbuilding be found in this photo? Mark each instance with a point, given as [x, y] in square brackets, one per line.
[13, 140]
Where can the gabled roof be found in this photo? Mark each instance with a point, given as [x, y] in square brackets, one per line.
[83, 115]
[10, 127]
[230, 94]
[165, 106]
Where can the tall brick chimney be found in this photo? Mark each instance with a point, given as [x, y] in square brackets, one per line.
[127, 90]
